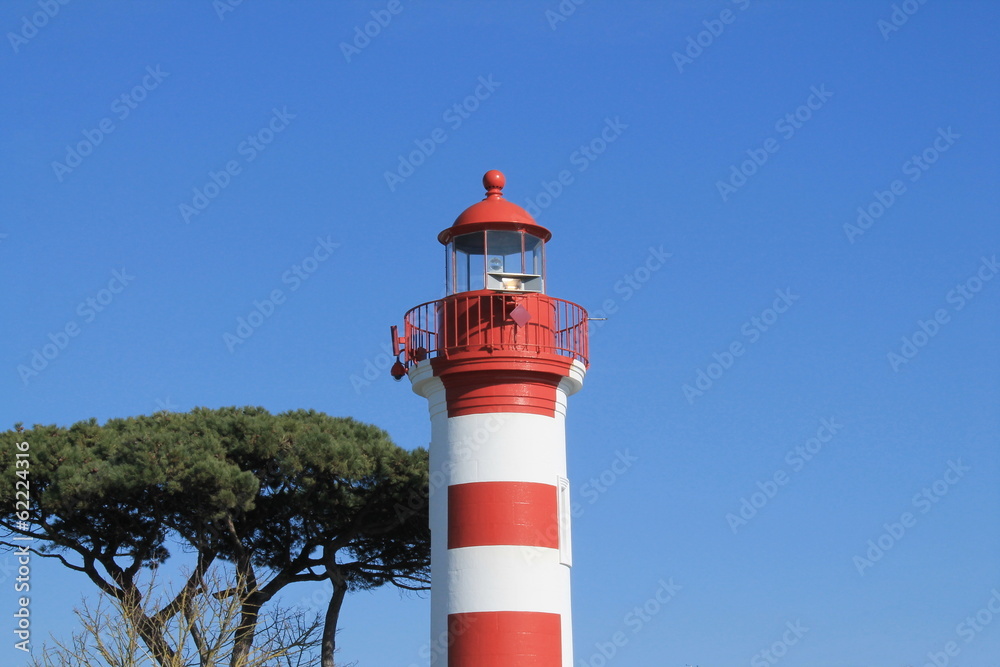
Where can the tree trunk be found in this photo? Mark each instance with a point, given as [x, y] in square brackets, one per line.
[244, 635]
[150, 631]
[152, 637]
[329, 645]
[250, 604]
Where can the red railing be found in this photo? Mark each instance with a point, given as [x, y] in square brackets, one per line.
[476, 322]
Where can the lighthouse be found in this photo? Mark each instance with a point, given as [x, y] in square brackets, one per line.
[497, 359]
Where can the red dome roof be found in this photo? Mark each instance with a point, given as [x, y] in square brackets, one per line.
[494, 212]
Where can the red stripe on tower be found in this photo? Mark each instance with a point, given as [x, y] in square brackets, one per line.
[502, 513]
[505, 638]
[501, 383]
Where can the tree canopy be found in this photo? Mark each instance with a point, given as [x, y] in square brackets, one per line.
[298, 496]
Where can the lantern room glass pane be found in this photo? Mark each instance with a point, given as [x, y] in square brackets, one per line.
[504, 252]
[449, 267]
[534, 255]
[467, 252]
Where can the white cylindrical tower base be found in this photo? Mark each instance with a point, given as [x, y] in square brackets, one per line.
[500, 532]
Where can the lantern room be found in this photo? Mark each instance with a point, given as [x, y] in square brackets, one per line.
[495, 245]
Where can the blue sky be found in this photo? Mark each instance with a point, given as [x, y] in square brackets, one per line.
[177, 164]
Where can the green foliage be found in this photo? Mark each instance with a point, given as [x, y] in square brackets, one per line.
[300, 496]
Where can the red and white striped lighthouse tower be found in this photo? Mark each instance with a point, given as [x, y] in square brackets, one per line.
[496, 360]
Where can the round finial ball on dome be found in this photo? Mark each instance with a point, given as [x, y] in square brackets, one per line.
[494, 179]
